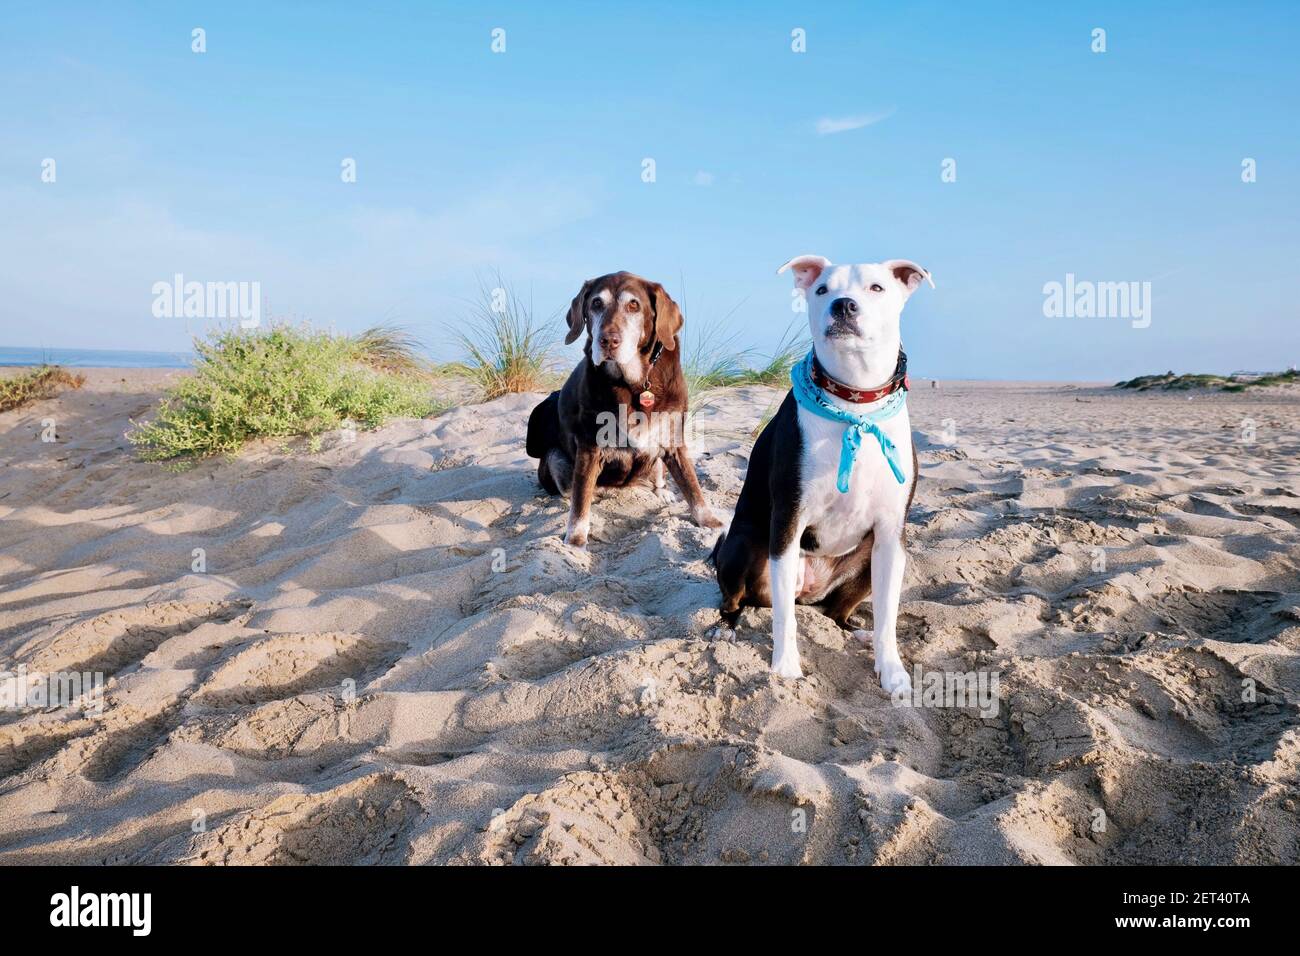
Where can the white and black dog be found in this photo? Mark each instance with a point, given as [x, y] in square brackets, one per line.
[821, 516]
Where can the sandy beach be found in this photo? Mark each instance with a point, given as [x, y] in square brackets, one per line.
[384, 653]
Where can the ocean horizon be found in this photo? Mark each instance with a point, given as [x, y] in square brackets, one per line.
[94, 358]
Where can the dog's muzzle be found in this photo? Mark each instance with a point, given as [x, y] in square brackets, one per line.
[844, 319]
[843, 329]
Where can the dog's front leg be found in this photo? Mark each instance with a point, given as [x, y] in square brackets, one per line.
[586, 469]
[683, 471]
[662, 491]
[783, 571]
[888, 560]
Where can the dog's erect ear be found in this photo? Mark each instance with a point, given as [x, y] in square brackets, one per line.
[668, 318]
[806, 269]
[578, 313]
[908, 273]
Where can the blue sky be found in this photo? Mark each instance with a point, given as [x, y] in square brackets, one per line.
[225, 166]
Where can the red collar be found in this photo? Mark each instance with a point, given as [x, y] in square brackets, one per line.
[862, 396]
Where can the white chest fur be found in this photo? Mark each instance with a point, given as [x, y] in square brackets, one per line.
[876, 500]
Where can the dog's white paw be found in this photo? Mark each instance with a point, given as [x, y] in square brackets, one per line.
[722, 633]
[894, 678]
[788, 668]
[575, 536]
[863, 635]
[666, 495]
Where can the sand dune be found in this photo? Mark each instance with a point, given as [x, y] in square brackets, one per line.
[389, 656]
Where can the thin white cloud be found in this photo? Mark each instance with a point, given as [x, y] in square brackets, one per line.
[703, 178]
[830, 125]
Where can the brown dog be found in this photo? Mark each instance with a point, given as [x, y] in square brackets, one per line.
[621, 415]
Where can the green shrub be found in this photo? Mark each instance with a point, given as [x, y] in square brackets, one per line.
[282, 382]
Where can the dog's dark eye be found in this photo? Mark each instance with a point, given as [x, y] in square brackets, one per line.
[877, 287]
[597, 305]
[633, 306]
[821, 290]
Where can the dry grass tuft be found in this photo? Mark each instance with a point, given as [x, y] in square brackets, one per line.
[506, 349]
[35, 384]
[391, 348]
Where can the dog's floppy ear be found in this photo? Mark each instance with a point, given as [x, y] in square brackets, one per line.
[806, 269]
[578, 313]
[908, 273]
[668, 318]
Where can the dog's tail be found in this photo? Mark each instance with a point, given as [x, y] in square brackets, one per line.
[717, 550]
[544, 427]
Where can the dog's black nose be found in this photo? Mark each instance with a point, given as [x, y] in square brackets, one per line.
[843, 308]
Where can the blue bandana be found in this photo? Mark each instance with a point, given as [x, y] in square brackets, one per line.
[856, 427]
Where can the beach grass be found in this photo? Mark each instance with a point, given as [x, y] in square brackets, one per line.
[283, 382]
[709, 357]
[707, 369]
[712, 361]
[763, 421]
[392, 348]
[775, 370]
[34, 384]
[505, 347]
